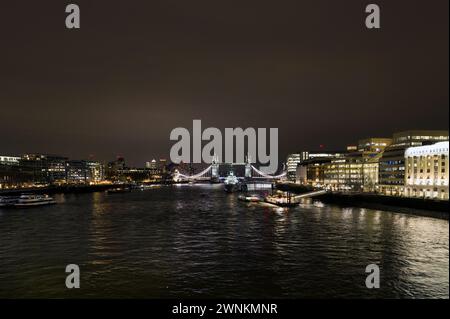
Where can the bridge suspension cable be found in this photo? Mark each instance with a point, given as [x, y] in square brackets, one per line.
[208, 169]
[268, 176]
[201, 174]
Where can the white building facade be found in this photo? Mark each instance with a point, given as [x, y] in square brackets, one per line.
[291, 164]
[426, 171]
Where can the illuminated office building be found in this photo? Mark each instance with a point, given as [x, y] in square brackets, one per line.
[84, 172]
[97, 171]
[9, 160]
[162, 165]
[310, 170]
[43, 169]
[426, 174]
[353, 170]
[151, 165]
[291, 166]
[373, 146]
[113, 169]
[154, 170]
[9, 171]
[392, 163]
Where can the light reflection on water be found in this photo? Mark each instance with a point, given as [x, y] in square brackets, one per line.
[197, 241]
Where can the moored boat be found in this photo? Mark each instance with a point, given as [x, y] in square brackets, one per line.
[34, 200]
[146, 186]
[282, 200]
[8, 201]
[231, 183]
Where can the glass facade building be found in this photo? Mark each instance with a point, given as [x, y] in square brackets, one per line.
[291, 166]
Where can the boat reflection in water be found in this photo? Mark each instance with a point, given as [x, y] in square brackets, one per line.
[119, 190]
[144, 187]
[318, 204]
[250, 198]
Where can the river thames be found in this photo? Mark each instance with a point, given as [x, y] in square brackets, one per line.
[197, 241]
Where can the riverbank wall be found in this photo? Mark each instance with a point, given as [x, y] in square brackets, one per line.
[412, 206]
[405, 205]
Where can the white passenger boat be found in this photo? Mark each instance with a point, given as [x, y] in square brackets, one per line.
[281, 199]
[7, 201]
[34, 200]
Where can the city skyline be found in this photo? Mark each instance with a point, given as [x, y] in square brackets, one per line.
[224, 158]
[346, 147]
[122, 82]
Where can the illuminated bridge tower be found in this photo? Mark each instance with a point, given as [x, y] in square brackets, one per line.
[215, 167]
[248, 167]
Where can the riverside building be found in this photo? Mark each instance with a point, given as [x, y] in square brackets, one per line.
[84, 172]
[426, 174]
[311, 169]
[292, 162]
[151, 165]
[351, 173]
[392, 163]
[357, 170]
[43, 169]
[9, 172]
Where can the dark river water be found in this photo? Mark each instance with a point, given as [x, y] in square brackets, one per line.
[197, 241]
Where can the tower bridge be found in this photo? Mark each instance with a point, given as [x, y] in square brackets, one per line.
[218, 171]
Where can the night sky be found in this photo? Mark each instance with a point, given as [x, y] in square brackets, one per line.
[137, 69]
